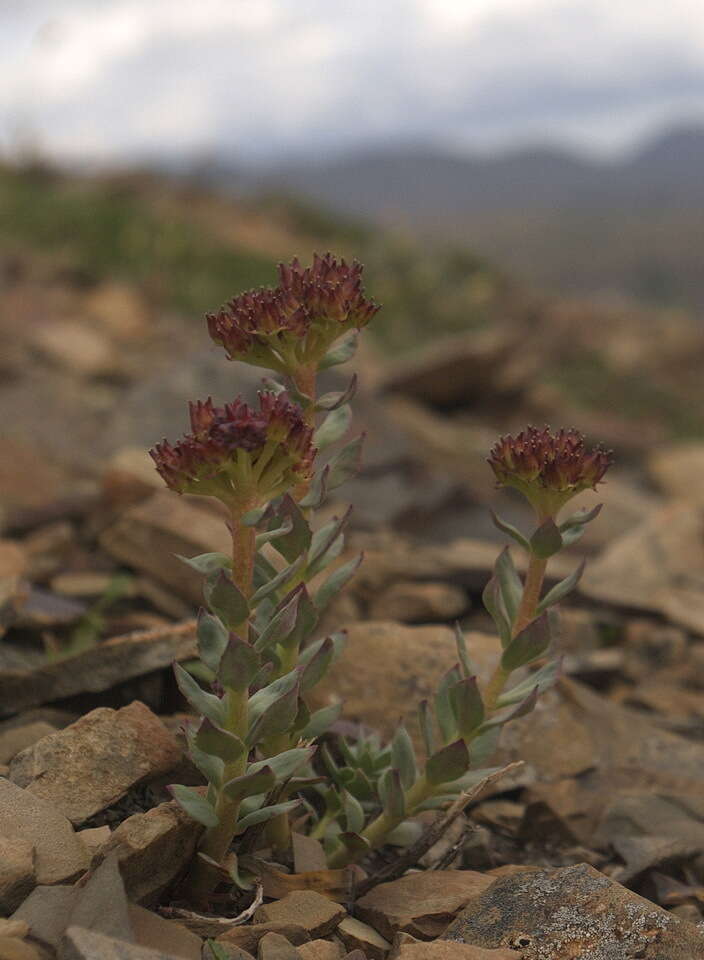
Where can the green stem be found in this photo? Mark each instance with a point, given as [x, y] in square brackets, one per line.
[278, 830]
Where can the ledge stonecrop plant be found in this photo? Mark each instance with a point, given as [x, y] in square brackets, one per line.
[270, 465]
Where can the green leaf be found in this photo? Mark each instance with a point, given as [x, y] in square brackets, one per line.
[543, 679]
[207, 563]
[528, 645]
[196, 806]
[239, 664]
[460, 642]
[333, 427]
[467, 706]
[502, 717]
[405, 834]
[561, 589]
[581, 517]
[273, 709]
[321, 721]
[292, 545]
[202, 702]
[403, 757]
[281, 624]
[336, 581]
[212, 639]
[264, 814]
[210, 766]
[546, 540]
[269, 536]
[512, 531]
[494, 605]
[318, 490]
[338, 641]
[253, 517]
[251, 784]
[273, 585]
[218, 742]
[215, 951]
[225, 600]
[391, 794]
[425, 722]
[448, 764]
[285, 764]
[443, 706]
[343, 351]
[354, 814]
[485, 745]
[317, 665]
[331, 401]
[346, 463]
[323, 540]
[306, 620]
[509, 584]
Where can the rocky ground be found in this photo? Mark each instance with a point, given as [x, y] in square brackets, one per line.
[592, 847]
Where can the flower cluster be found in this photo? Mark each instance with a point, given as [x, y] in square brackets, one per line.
[237, 453]
[548, 468]
[293, 326]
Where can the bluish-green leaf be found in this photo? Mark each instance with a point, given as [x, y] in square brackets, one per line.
[512, 531]
[264, 814]
[425, 722]
[532, 642]
[317, 665]
[448, 764]
[546, 540]
[391, 795]
[318, 490]
[202, 702]
[467, 706]
[561, 589]
[212, 639]
[207, 563]
[354, 814]
[321, 721]
[336, 581]
[346, 463]
[509, 584]
[196, 806]
[215, 740]
[279, 580]
[543, 679]
[333, 428]
[323, 540]
[403, 757]
[461, 644]
[295, 543]
[281, 624]
[331, 401]
[443, 707]
[494, 605]
[239, 664]
[251, 784]
[343, 351]
[225, 600]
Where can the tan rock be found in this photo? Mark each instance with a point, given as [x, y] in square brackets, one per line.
[310, 910]
[82, 944]
[151, 535]
[15, 739]
[408, 602]
[59, 854]
[153, 849]
[46, 912]
[119, 308]
[87, 583]
[320, 950]
[677, 468]
[357, 935]
[76, 346]
[92, 763]
[408, 948]
[14, 949]
[13, 928]
[273, 946]
[130, 476]
[94, 839]
[17, 873]
[247, 937]
[13, 559]
[422, 903]
[151, 930]
[573, 912]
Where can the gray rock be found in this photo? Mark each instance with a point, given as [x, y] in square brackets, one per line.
[80, 944]
[101, 905]
[59, 854]
[46, 912]
[273, 946]
[151, 930]
[16, 872]
[573, 912]
[95, 761]
[15, 739]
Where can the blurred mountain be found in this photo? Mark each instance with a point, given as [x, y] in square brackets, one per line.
[631, 226]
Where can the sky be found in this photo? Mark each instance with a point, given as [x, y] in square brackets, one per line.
[110, 81]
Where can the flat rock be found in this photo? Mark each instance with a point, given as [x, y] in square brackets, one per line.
[408, 948]
[46, 911]
[273, 946]
[320, 950]
[573, 912]
[80, 944]
[357, 935]
[247, 936]
[150, 536]
[111, 662]
[422, 903]
[59, 854]
[101, 904]
[408, 602]
[151, 930]
[15, 739]
[17, 877]
[153, 849]
[310, 910]
[673, 467]
[12, 948]
[94, 839]
[92, 763]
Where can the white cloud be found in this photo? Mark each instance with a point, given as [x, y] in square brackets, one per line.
[110, 78]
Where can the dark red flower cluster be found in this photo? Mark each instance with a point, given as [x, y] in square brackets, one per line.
[236, 452]
[294, 324]
[549, 468]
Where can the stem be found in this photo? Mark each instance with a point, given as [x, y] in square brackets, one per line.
[243, 550]
[305, 380]
[278, 830]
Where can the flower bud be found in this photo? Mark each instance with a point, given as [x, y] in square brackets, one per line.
[548, 468]
[239, 454]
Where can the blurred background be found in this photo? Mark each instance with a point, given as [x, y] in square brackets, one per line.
[522, 179]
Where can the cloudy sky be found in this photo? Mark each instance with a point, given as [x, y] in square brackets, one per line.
[110, 80]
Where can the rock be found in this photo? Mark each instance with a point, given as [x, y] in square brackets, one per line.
[676, 468]
[273, 946]
[15, 739]
[59, 854]
[86, 583]
[119, 308]
[151, 930]
[46, 911]
[573, 912]
[13, 949]
[419, 602]
[47, 549]
[97, 669]
[657, 567]
[94, 839]
[408, 948]
[320, 949]
[44, 609]
[75, 346]
[13, 559]
[357, 935]
[308, 853]
[151, 535]
[13, 928]
[312, 911]
[130, 476]
[386, 669]
[95, 761]
[422, 903]
[80, 944]
[16, 872]
[153, 849]
[247, 937]
[101, 903]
